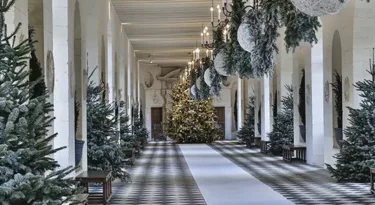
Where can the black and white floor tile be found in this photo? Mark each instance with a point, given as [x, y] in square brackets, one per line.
[299, 183]
[159, 177]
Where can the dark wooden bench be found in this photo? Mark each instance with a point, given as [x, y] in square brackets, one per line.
[129, 158]
[288, 153]
[265, 146]
[103, 177]
[372, 173]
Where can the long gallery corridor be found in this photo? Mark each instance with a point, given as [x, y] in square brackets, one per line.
[187, 102]
[228, 173]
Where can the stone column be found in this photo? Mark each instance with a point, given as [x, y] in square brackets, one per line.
[64, 91]
[266, 90]
[314, 102]
[93, 40]
[240, 100]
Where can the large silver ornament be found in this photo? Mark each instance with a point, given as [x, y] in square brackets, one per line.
[207, 77]
[244, 37]
[319, 7]
[219, 63]
[192, 91]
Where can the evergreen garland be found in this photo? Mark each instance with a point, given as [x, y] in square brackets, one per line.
[28, 173]
[238, 61]
[282, 129]
[357, 153]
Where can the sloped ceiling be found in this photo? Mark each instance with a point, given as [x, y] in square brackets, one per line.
[168, 30]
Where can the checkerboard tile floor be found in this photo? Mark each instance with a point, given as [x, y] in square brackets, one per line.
[160, 176]
[299, 183]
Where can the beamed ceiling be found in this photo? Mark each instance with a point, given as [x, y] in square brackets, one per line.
[168, 30]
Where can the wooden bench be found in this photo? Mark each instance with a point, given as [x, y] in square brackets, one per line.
[372, 173]
[129, 157]
[82, 198]
[257, 141]
[288, 153]
[265, 146]
[103, 177]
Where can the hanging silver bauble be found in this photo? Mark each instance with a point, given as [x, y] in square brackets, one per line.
[219, 63]
[207, 77]
[198, 83]
[319, 7]
[192, 91]
[244, 37]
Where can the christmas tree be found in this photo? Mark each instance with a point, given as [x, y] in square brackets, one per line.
[28, 173]
[36, 71]
[190, 121]
[282, 129]
[357, 153]
[103, 148]
[246, 133]
[126, 138]
[139, 131]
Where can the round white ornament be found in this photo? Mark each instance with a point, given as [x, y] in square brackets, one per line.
[192, 91]
[244, 37]
[219, 63]
[207, 77]
[198, 83]
[319, 7]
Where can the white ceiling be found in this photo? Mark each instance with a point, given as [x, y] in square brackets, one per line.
[168, 30]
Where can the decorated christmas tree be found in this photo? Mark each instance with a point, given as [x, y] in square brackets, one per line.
[357, 153]
[103, 149]
[28, 173]
[190, 121]
[246, 133]
[282, 129]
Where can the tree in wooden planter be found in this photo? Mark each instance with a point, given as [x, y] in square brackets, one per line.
[103, 149]
[337, 90]
[28, 173]
[246, 133]
[302, 106]
[357, 153]
[282, 129]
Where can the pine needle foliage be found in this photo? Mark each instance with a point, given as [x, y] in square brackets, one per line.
[28, 173]
[247, 132]
[190, 121]
[357, 153]
[103, 149]
[282, 129]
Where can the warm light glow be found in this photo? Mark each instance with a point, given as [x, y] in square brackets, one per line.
[197, 50]
[201, 34]
[204, 31]
[225, 32]
[228, 25]
[207, 34]
[218, 6]
[211, 9]
[189, 63]
[206, 28]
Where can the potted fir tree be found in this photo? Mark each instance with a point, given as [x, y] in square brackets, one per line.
[302, 107]
[337, 90]
[78, 143]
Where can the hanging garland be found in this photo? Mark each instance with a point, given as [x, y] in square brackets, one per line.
[239, 61]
